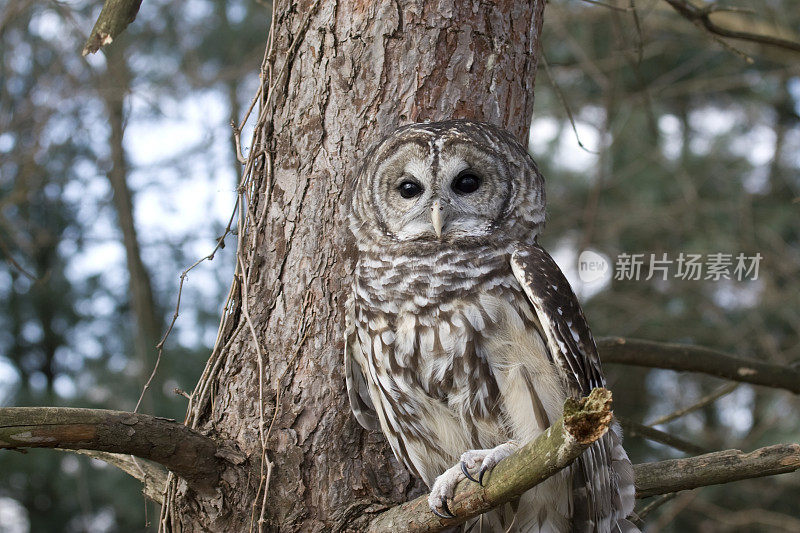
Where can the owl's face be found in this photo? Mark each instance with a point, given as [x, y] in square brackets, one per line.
[424, 194]
[447, 183]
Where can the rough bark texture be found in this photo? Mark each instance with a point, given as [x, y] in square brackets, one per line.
[346, 74]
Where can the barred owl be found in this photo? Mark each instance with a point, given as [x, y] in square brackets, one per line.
[463, 336]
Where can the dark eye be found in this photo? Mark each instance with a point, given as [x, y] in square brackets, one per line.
[467, 182]
[409, 189]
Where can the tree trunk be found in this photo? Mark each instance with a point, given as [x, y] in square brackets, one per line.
[343, 75]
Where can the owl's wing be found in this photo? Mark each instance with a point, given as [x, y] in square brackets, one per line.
[357, 391]
[564, 327]
[603, 491]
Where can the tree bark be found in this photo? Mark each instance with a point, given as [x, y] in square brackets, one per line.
[343, 74]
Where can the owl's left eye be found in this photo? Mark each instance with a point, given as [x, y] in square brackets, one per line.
[466, 182]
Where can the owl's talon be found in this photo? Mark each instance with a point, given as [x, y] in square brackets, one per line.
[467, 474]
[480, 475]
[446, 514]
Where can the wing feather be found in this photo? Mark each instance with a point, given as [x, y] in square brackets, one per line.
[564, 326]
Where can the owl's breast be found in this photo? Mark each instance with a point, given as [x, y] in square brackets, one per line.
[456, 349]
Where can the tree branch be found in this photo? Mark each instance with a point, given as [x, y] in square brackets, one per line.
[583, 423]
[182, 450]
[682, 357]
[714, 468]
[112, 21]
[702, 17]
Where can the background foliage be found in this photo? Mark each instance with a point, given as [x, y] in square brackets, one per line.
[690, 148]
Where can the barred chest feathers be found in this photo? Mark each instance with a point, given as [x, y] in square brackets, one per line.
[455, 353]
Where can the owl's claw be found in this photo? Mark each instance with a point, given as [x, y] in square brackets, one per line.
[446, 514]
[480, 475]
[442, 490]
[467, 474]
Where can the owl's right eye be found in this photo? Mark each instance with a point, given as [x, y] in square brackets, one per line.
[409, 189]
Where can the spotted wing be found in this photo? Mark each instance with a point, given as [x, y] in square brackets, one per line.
[565, 329]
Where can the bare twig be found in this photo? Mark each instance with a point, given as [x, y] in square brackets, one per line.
[633, 428]
[13, 262]
[702, 17]
[607, 6]
[160, 345]
[653, 505]
[740, 520]
[702, 402]
[182, 450]
[564, 103]
[582, 424]
[682, 357]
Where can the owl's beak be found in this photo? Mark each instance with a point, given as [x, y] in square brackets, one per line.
[436, 218]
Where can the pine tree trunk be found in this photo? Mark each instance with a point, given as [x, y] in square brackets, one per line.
[345, 74]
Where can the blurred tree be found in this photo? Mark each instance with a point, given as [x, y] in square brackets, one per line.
[70, 332]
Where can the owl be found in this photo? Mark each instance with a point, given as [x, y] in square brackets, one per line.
[463, 336]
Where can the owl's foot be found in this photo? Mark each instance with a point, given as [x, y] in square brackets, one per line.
[443, 490]
[485, 460]
[481, 460]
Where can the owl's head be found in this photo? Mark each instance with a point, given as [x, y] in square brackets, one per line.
[447, 183]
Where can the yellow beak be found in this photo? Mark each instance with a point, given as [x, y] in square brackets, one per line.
[436, 218]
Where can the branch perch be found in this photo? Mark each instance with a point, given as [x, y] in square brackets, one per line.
[682, 357]
[583, 423]
[182, 450]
